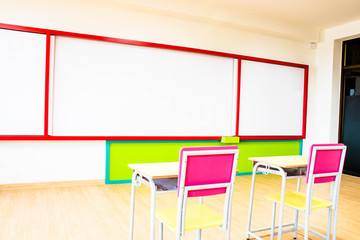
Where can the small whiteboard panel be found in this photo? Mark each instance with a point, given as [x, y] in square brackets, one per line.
[22, 82]
[271, 99]
[111, 89]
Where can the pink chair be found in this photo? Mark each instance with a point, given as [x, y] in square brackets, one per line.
[325, 165]
[203, 171]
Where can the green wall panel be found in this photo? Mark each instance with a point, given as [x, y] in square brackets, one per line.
[122, 153]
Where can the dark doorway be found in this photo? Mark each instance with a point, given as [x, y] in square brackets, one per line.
[350, 102]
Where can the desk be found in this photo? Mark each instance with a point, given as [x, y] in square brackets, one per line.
[285, 166]
[161, 177]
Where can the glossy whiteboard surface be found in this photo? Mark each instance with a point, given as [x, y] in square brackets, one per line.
[111, 89]
[22, 82]
[271, 99]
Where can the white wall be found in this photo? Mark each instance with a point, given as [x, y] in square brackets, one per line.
[324, 89]
[70, 160]
[47, 161]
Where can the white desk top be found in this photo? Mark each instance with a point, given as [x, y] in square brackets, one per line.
[157, 170]
[283, 161]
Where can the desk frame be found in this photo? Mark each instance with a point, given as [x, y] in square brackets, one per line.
[277, 169]
[148, 176]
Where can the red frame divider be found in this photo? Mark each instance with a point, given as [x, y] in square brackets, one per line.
[306, 73]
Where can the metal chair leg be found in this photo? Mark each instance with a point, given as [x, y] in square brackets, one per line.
[273, 220]
[228, 230]
[334, 223]
[160, 230]
[306, 229]
[296, 219]
[328, 235]
[198, 234]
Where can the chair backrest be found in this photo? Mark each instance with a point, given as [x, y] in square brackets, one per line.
[325, 158]
[205, 171]
[207, 165]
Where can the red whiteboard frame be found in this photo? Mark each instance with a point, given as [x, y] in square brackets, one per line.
[306, 73]
[49, 33]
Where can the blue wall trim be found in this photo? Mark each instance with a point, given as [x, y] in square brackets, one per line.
[118, 181]
[301, 147]
[244, 174]
[157, 141]
[107, 168]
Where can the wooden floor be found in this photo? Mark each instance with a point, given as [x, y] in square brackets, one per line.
[101, 212]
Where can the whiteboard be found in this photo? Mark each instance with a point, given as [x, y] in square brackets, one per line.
[271, 99]
[22, 82]
[111, 89]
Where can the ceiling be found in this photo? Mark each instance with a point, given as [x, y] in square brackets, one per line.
[300, 20]
[297, 19]
[318, 13]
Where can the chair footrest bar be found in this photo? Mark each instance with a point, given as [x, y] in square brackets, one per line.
[252, 232]
[285, 231]
[269, 228]
[313, 231]
[254, 236]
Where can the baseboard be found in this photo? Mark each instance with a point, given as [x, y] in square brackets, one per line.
[51, 184]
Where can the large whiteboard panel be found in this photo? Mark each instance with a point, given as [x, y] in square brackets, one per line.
[110, 89]
[22, 82]
[271, 99]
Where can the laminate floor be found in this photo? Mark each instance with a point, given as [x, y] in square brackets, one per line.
[101, 212]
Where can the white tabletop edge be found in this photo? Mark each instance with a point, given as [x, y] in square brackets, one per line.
[283, 161]
[157, 170]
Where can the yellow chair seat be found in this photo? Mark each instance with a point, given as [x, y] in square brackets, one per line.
[298, 200]
[197, 216]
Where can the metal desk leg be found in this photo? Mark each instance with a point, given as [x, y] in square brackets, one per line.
[132, 206]
[136, 181]
[296, 212]
[251, 199]
[152, 210]
[283, 181]
[273, 221]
